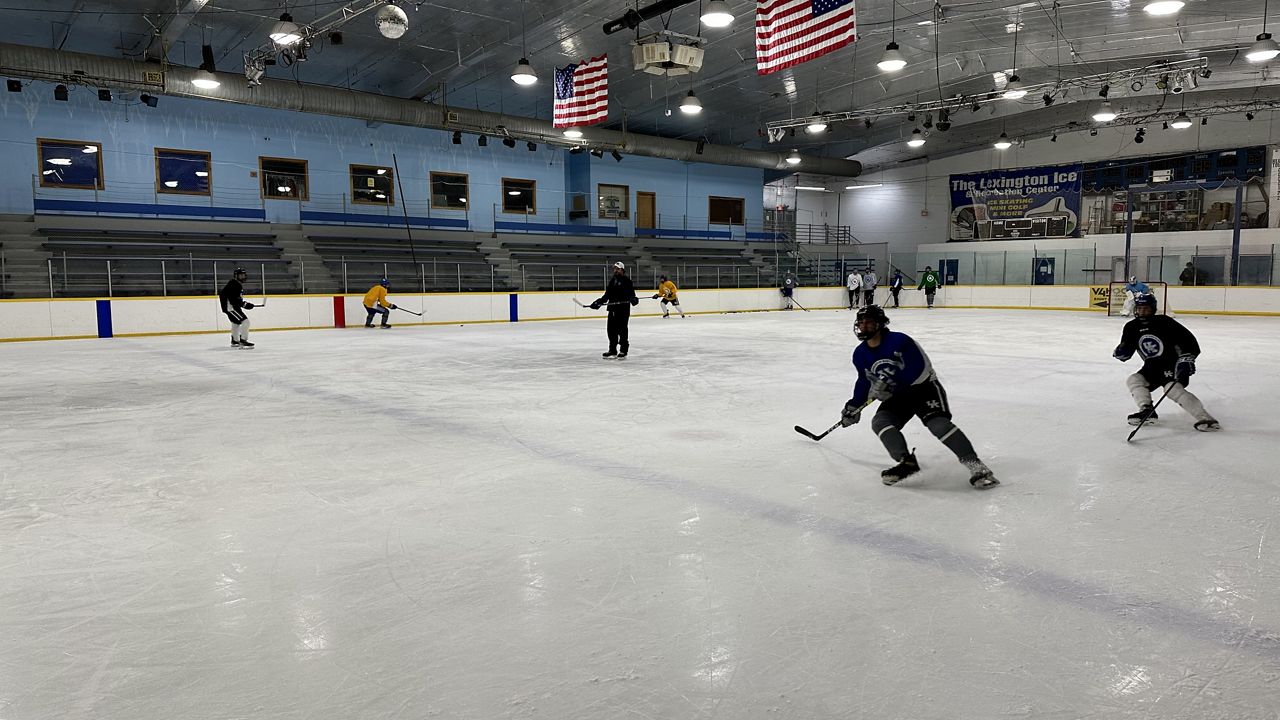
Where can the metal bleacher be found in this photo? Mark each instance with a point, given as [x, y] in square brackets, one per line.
[359, 257]
[550, 263]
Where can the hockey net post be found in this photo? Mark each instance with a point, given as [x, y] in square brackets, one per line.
[1118, 297]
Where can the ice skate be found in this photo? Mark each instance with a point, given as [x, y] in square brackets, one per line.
[1136, 418]
[904, 469]
[611, 353]
[246, 344]
[235, 343]
[981, 477]
[384, 327]
[1209, 425]
[622, 354]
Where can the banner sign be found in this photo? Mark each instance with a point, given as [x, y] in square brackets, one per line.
[1010, 204]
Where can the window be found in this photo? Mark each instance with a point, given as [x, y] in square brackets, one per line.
[183, 172]
[449, 191]
[282, 178]
[519, 196]
[372, 185]
[70, 164]
[614, 202]
[725, 210]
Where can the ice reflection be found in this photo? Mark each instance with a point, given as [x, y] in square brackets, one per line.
[534, 591]
[716, 666]
[308, 627]
[1132, 680]
[689, 526]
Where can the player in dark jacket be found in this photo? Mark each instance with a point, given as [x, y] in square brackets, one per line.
[1169, 352]
[893, 369]
[231, 300]
[619, 296]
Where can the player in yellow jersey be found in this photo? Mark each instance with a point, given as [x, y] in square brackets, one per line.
[667, 292]
[375, 303]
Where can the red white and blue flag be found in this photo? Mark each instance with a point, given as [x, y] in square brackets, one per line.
[789, 32]
[582, 93]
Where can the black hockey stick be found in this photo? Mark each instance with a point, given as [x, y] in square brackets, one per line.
[1143, 420]
[828, 431]
[579, 304]
[409, 311]
[793, 301]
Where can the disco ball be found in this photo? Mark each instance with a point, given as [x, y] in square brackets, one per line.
[392, 22]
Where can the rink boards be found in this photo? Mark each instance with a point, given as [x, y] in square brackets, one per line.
[45, 319]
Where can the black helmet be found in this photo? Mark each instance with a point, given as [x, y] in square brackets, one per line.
[239, 271]
[870, 312]
[1146, 300]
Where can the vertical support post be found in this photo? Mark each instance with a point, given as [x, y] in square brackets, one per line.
[577, 271]
[1235, 238]
[384, 269]
[1004, 268]
[164, 282]
[492, 285]
[109, 290]
[524, 283]
[553, 278]
[215, 277]
[422, 272]
[302, 271]
[1128, 230]
[458, 268]
[345, 289]
[262, 271]
[50, 263]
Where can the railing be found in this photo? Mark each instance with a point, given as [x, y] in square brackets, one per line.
[126, 276]
[426, 276]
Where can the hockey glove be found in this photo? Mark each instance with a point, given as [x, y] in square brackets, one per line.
[635, 301]
[1185, 368]
[595, 305]
[883, 387]
[851, 414]
[249, 306]
[655, 297]
[1122, 353]
[393, 307]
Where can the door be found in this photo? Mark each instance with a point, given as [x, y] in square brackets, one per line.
[949, 270]
[1043, 270]
[646, 210]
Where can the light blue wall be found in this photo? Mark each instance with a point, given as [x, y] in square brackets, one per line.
[236, 136]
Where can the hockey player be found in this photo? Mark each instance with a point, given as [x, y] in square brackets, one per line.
[893, 369]
[788, 289]
[929, 283]
[869, 282]
[619, 295]
[895, 286]
[1132, 290]
[232, 301]
[854, 284]
[1169, 352]
[375, 303]
[667, 294]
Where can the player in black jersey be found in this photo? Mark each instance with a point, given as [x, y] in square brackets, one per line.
[233, 304]
[1169, 351]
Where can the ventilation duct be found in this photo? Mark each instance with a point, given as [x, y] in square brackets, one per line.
[62, 66]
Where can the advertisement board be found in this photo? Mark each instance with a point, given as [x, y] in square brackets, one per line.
[1012, 204]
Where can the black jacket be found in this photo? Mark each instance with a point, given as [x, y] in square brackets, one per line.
[620, 291]
[232, 296]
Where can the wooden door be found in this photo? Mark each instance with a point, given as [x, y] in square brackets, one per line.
[646, 210]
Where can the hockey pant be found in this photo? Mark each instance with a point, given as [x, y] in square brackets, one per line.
[239, 325]
[384, 312]
[674, 302]
[617, 328]
[895, 292]
[1141, 394]
[928, 294]
[786, 293]
[928, 400]
[1128, 306]
[853, 298]
[870, 296]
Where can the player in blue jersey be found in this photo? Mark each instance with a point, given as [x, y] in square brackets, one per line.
[893, 369]
[1133, 289]
[1169, 351]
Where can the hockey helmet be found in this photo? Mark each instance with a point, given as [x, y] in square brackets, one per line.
[663, 278]
[620, 265]
[384, 282]
[873, 313]
[239, 272]
[1145, 300]
[1133, 278]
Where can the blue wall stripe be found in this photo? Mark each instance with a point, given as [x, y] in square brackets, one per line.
[104, 318]
[363, 219]
[121, 208]
[556, 228]
[515, 308]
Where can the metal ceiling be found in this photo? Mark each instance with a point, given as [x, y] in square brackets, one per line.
[461, 52]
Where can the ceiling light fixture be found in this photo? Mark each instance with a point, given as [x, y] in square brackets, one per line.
[457, 137]
[1013, 89]
[1003, 142]
[892, 61]
[523, 75]
[205, 79]
[282, 188]
[391, 21]
[104, 94]
[1181, 122]
[862, 187]
[171, 183]
[917, 138]
[1163, 7]
[717, 14]
[793, 158]
[617, 156]
[60, 93]
[286, 32]
[690, 105]
[816, 127]
[509, 142]
[572, 133]
[382, 171]
[513, 192]
[533, 147]
[811, 188]
[1106, 113]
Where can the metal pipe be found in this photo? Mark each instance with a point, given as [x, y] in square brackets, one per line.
[633, 18]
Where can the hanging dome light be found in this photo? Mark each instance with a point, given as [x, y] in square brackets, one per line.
[917, 138]
[717, 14]
[391, 22]
[1003, 142]
[286, 32]
[1263, 50]
[1106, 113]
[1182, 122]
[572, 133]
[691, 105]
[1163, 7]
[817, 126]
[793, 158]
[205, 80]
[524, 74]
[1013, 90]
[893, 61]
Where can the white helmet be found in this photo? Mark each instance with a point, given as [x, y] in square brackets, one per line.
[620, 265]
[1133, 278]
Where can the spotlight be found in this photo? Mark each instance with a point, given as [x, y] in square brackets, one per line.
[928, 121]
[1163, 83]
[697, 149]
[1177, 87]
[975, 107]
[597, 153]
[944, 125]
[15, 85]
[1140, 136]
[1181, 122]
[1103, 92]
[575, 150]
[533, 147]
[1048, 99]
[1136, 86]
[617, 156]
[911, 118]
[1003, 142]
[285, 32]
[149, 100]
[335, 38]
[917, 139]
[104, 94]
[1093, 132]
[1105, 113]
[1054, 138]
[1248, 116]
[482, 141]
[793, 158]
[457, 138]
[1206, 73]
[867, 123]
[60, 93]
[1165, 126]
[1204, 121]
[509, 142]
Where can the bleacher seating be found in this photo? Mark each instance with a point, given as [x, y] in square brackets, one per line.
[555, 263]
[358, 261]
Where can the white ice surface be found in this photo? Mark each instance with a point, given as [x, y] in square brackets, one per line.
[492, 522]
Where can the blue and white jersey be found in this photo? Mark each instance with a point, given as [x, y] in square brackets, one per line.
[1137, 287]
[897, 357]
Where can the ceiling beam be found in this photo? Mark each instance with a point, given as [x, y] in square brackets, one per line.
[173, 28]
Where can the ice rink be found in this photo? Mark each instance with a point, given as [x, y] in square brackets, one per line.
[491, 521]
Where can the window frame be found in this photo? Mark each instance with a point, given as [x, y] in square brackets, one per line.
[306, 175]
[390, 174]
[100, 184]
[466, 195]
[626, 197]
[532, 207]
[742, 204]
[208, 164]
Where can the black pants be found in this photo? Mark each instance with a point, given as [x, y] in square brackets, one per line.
[617, 328]
[895, 292]
[384, 312]
[870, 296]
[853, 298]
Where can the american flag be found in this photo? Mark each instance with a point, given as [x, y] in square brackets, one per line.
[582, 93]
[789, 32]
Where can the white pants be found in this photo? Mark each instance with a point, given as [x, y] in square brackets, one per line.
[1128, 305]
[241, 331]
[1142, 396]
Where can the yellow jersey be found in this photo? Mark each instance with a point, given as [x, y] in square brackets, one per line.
[376, 294]
[667, 290]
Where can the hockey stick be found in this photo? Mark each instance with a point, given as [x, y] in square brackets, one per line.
[1152, 411]
[579, 304]
[828, 431]
[409, 311]
[793, 302]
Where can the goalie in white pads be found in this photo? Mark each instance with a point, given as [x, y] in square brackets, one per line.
[1169, 352]
[1132, 290]
[893, 369]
